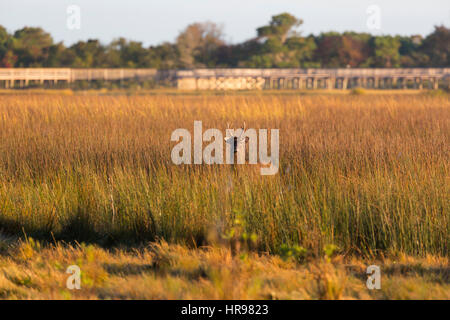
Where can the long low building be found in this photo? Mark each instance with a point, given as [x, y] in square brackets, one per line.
[241, 79]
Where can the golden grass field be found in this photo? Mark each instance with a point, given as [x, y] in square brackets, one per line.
[363, 179]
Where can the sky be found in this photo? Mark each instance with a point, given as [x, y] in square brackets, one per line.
[155, 21]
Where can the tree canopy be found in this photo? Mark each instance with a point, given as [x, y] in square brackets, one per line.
[202, 45]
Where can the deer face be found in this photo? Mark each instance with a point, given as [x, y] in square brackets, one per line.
[235, 138]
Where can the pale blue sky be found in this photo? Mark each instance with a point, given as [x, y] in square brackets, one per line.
[153, 22]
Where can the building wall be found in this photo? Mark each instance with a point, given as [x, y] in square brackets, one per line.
[243, 79]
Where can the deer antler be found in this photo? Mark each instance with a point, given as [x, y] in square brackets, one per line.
[243, 130]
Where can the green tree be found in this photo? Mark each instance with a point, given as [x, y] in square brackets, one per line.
[90, 54]
[165, 56]
[280, 27]
[282, 46]
[278, 44]
[198, 43]
[4, 41]
[341, 50]
[386, 52]
[32, 46]
[437, 47]
[410, 56]
[129, 54]
[56, 55]
[7, 57]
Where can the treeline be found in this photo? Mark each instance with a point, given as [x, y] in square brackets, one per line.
[278, 44]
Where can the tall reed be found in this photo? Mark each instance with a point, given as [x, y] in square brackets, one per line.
[366, 173]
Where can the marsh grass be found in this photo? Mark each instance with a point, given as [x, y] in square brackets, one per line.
[31, 270]
[368, 174]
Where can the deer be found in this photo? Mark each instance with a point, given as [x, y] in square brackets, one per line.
[236, 140]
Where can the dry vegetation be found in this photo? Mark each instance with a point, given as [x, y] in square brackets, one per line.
[362, 176]
[162, 271]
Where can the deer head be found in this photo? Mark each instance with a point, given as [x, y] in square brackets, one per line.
[236, 138]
